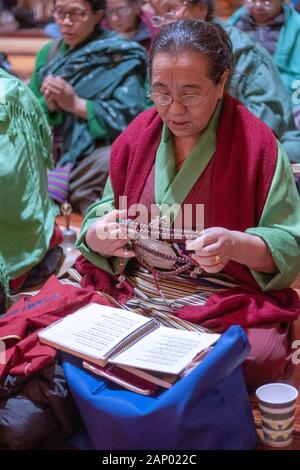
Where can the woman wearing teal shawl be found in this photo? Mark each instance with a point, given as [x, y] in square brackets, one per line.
[91, 85]
[277, 27]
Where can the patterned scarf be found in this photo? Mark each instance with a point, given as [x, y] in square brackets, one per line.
[96, 69]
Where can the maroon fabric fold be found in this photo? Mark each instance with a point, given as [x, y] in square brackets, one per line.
[95, 278]
[240, 176]
[19, 327]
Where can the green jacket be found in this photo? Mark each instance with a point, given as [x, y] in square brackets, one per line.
[27, 215]
[287, 53]
[257, 83]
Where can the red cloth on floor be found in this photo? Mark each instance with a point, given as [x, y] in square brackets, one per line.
[56, 239]
[19, 327]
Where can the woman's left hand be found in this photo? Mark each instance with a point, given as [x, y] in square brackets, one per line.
[214, 248]
[62, 92]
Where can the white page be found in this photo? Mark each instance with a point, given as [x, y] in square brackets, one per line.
[166, 350]
[94, 330]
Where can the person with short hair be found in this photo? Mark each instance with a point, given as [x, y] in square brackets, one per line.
[127, 18]
[199, 151]
[276, 26]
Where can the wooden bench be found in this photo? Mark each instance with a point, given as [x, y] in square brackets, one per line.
[21, 48]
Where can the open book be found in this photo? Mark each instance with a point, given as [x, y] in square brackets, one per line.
[100, 335]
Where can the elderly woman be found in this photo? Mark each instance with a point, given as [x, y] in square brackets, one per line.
[276, 26]
[28, 235]
[253, 73]
[196, 150]
[127, 18]
[91, 85]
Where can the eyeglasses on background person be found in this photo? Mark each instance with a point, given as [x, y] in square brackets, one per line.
[159, 21]
[77, 15]
[121, 11]
[259, 4]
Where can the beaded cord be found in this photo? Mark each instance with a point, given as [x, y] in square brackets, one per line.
[181, 264]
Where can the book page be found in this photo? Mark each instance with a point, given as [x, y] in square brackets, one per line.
[94, 330]
[166, 350]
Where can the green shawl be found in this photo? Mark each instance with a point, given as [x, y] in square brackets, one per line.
[27, 215]
[109, 72]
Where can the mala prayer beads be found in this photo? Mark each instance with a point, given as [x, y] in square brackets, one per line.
[154, 247]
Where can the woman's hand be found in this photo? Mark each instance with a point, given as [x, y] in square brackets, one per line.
[217, 246]
[60, 91]
[46, 92]
[214, 248]
[106, 236]
[57, 90]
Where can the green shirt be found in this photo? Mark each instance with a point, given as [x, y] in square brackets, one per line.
[279, 225]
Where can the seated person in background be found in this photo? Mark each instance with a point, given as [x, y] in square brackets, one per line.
[7, 19]
[224, 8]
[276, 26]
[28, 234]
[197, 147]
[127, 18]
[255, 80]
[32, 13]
[159, 7]
[90, 83]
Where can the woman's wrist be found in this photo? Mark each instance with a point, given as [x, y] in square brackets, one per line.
[80, 108]
[252, 251]
[91, 238]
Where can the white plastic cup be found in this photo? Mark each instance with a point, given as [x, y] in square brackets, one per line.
[277, 404]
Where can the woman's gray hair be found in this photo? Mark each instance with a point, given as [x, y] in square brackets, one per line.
[201, 36]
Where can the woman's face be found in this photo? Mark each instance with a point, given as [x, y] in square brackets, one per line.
[160, 7]
[122, 16]
[189, 11]
[263, 11]
[181, 75]
[76, 20]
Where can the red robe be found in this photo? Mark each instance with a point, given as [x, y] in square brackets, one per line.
[240, 175]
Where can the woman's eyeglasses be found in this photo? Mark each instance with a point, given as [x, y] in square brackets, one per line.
[259, 4]
[119, 12]
[185, 100]
[159, 21]
[75, 15]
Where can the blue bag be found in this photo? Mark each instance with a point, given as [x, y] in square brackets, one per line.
[207, 409]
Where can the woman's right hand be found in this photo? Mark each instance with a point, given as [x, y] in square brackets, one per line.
[106, 236]
[46, 92]
[51, 104]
